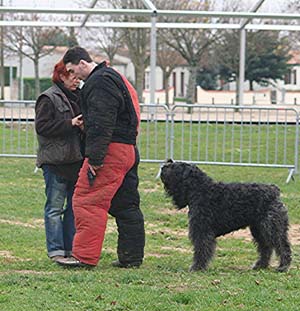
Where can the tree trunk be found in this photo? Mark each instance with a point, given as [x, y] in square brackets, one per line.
[237, 95]
[237, 98]
[20, 84]
[139, 81]
[190, 94]
[167, 95]
[37, 78]
[251, 85]
[166, 86]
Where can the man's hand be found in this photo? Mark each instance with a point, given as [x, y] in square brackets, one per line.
[94, 168]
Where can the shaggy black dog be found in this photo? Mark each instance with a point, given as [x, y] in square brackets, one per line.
[216, 208]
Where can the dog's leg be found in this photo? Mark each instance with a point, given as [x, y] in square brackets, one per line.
[282, 244]
[264, 248]
[283, 250]
[279, 223]
[204, 249]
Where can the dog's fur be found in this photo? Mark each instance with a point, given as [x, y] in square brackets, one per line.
[216, 208]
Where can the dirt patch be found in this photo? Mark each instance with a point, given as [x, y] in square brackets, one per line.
[294, 234]
[177, 249]
[36, 223]
[156, 255]
[294, 230]
[173, 211]
[152, 189]
[152, 229]
[7, 255]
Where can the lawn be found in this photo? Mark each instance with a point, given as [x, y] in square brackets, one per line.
[30, 281]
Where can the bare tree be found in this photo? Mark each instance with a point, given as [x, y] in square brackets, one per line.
[293, 6]
[191, 44]
[107, 40]
[32, 43]
[167, 59]
[136, 40]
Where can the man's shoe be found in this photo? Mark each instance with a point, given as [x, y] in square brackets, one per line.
[118, 264]
[72, 262]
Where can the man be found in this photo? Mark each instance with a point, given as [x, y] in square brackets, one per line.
[108, 180]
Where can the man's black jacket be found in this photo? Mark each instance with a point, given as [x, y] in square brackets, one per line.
[108, 112]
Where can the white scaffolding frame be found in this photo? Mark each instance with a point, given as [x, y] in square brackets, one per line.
[249, 22]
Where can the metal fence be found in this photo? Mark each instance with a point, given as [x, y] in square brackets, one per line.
[202, 134]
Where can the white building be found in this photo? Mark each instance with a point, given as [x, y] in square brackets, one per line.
[286, 91]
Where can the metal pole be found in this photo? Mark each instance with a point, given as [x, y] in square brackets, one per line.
[21, 82]
[151, 6]
[243, 52]
[240, 101]
[2, 70]
[88, 15]
[148, 12]
[153, 59]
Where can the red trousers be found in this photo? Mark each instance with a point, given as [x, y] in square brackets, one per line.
[92, 203]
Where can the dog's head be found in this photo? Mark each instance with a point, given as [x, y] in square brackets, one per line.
[176, 179]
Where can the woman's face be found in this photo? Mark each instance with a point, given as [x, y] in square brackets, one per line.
[71, 82]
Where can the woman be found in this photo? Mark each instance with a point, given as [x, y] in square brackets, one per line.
[58, 125]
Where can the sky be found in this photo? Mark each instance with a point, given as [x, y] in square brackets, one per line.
[44, 3]
[269, 5]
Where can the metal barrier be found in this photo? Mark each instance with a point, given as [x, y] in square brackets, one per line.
[17, 134]
[202, 134]
[235, 135]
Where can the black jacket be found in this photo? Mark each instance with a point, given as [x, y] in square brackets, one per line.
[108, 112]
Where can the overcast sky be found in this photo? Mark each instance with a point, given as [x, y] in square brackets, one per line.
[269, 5]
[44, 3]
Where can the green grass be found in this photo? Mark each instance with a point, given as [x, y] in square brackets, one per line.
[30, 281]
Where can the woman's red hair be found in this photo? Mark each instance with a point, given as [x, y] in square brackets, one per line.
[59, 69]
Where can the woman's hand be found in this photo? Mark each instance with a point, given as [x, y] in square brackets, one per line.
[77, 121]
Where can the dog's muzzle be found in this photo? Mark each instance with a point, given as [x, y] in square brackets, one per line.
[161, 167]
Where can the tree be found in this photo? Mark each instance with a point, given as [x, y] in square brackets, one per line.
[191, 44]
[292, 6]
[167, 60]
[63, 39]
[208, 72]
[207, 77]
[32, 43]
[137, 40]
[267, 54]
[108, 41]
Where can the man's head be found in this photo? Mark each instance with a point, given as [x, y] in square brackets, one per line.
[79, 62]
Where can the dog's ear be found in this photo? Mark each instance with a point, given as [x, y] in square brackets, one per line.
[169, 161]
[187, 171]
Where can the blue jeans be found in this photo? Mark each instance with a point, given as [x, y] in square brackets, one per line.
[59, 218]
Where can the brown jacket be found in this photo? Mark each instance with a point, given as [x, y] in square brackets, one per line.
[59, 141]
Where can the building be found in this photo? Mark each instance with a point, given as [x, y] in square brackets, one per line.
[286, 91]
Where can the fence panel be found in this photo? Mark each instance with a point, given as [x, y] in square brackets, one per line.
[18, 137]
[153, 139]
[206, 134]
[231, 135]
[17, 132]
